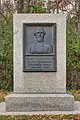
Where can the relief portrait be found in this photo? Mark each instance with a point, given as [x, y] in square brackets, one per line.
[39, 46]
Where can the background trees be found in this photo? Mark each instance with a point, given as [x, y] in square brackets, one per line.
[9, 7]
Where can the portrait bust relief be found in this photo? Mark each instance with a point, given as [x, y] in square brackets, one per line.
[39, 46]
[39, 39]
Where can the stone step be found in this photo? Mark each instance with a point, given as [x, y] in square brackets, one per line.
[39, 102]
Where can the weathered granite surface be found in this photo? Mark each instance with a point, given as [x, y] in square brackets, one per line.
[40, 82]
[39, 102]
[39, 91]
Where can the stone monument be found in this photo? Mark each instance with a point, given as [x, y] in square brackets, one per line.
[39, 64]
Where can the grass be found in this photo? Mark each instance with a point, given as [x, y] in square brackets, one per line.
[40, 117]
[3, 94]
[76, 94]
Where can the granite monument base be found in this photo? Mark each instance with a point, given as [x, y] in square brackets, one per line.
[39, 102]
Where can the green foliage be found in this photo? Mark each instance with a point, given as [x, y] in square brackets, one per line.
[6, 52]
[73, 57]
[35, 9]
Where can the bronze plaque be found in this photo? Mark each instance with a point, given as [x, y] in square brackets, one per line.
[39, 47]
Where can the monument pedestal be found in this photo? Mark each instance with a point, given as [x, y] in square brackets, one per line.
[39, 102]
